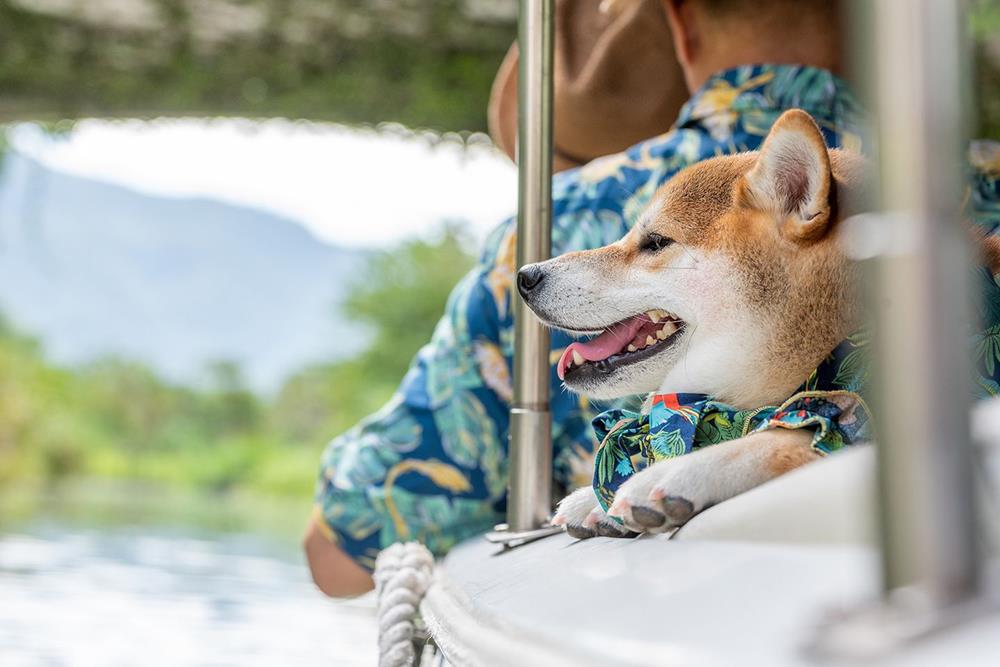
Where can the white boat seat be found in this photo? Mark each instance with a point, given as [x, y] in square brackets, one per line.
[829, 501]
[745, 582]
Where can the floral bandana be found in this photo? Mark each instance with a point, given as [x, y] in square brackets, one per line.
[677, 424]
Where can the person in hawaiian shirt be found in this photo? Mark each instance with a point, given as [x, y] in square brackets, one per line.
[432, 464]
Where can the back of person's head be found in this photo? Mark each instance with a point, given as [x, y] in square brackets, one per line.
[770, 9]
[772, 18]
[715, 34]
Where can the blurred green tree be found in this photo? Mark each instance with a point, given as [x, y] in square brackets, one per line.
[399, 297]
[426, 64]
[116, 418]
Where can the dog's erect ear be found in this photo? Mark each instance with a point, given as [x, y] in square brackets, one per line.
[792, 177]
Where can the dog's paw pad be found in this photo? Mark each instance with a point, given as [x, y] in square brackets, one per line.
[648, 517]
[677, 510]
[580, 533]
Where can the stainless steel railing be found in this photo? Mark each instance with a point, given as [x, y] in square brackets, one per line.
[925, 453]
[529, 500]
[911, 54]
[922, 369]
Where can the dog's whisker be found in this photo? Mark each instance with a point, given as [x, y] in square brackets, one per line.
[687, 349]
[687, 251]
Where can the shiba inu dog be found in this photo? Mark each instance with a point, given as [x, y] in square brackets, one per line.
[733, 284]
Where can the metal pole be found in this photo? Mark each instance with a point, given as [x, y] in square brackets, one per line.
[529, 500]
[921, 305]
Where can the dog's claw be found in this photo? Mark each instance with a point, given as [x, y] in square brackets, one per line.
[580, 533]
[647, 517]
[678, 510]
[612, 530]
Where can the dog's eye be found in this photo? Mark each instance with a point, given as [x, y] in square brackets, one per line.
[655, 243]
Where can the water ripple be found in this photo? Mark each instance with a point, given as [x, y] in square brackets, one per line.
[129, 597]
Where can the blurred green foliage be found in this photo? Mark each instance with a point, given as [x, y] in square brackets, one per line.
[984, 21]
[426, 64]
[422, 64]
[117, 419]
[400, 297]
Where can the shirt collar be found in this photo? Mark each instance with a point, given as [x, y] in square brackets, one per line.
[771, 87]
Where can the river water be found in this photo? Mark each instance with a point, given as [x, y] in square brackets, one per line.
[85, 593]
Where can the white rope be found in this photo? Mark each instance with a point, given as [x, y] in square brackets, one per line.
[402, 575]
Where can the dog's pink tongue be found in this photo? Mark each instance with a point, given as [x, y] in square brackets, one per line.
[612, 341]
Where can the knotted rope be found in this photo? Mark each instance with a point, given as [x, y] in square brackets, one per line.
[402, 575]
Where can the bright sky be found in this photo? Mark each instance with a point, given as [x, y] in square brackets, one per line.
[351, 187]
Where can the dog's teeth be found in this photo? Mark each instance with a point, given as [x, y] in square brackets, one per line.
[649, 340]
[661, 334]
[632, 348]
[577, 358]
[654, 316]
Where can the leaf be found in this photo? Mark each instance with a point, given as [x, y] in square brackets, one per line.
[690, 414]
[395, 426]
[609, 458]
[668, 444]
[465, 428]
[988, 386]
[852, 374]
[715, 427]
[494, 370]
[988, 348]
[445, 476]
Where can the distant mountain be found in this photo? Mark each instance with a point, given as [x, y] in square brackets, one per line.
[94, 269]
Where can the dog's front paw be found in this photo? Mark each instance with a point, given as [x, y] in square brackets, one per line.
[660, 498]
[583, 517]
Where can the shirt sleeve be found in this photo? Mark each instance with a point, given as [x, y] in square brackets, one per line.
[431, 464]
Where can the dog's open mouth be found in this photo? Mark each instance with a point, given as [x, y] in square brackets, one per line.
[637, 338]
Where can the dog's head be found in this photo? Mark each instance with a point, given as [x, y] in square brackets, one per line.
[731, 284]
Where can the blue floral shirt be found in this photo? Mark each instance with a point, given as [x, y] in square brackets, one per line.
[432, 464]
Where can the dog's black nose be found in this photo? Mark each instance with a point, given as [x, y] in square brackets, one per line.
[528, 278]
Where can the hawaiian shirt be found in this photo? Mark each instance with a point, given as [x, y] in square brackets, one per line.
[432, 464]
[983, 208]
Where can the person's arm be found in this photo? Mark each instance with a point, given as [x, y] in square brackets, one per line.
[429, 465]
[334, 572]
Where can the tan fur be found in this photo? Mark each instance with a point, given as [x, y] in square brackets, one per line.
[790, 452]
[795, 274]
[989, 249]
[784, 450]
[761, 229]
